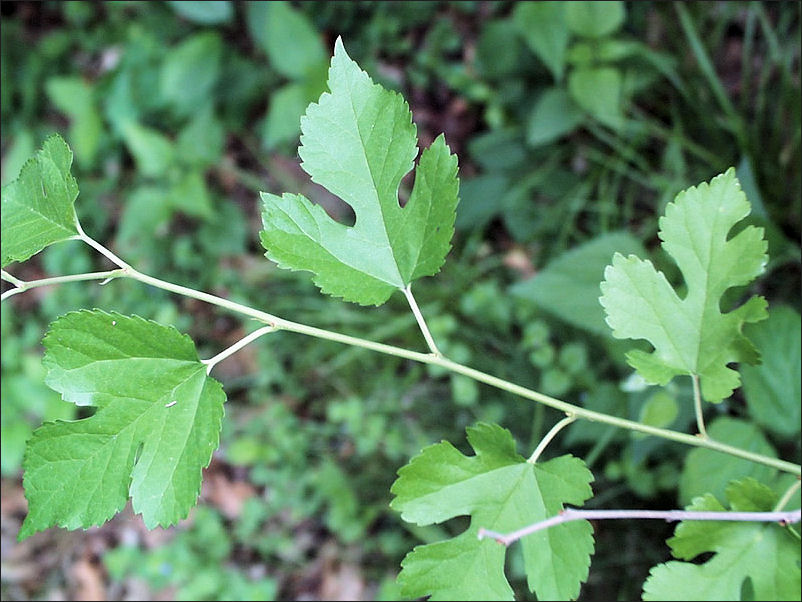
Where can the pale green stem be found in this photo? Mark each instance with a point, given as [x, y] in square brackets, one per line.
[789, 493]
[24, 286]
[697, 406]
[569, 514]
[419, 318]
[9, 278]
[438, 360]
[100, 248]
[549, 436]
[211, 362]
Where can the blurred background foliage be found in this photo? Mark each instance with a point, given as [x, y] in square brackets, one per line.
[575, 123]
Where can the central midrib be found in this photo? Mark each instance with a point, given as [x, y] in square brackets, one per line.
[376, 192]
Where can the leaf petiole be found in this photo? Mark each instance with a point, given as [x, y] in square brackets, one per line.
[421, 321]
[549, 436]
[786, 497]
[697, 406]
[9, 278]
[211, 362]
[100, 248]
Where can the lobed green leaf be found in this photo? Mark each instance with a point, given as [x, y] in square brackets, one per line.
[157, 422]
[764, 555]
[691, 335]
[359, 142]
[500, 491]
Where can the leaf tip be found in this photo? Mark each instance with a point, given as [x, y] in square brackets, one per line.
[26, 530]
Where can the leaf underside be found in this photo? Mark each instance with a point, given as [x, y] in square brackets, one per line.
[157, 422]
[358, 141]
[691, 335]
[500, 491]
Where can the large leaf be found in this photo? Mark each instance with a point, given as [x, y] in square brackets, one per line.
[568, 286]
[503, 492]
[708, 471]
[358, 141]
[691, 335]
[38, 207]
[772, 389]
[156, 424]
[761, 557]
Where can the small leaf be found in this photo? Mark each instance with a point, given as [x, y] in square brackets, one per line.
[543, 27]
[659, 410]
[287, 36]
[153, 152]
[553, 116]
[691, 335]
[503, 492]
[208, 12]
[595, 19]
[287, 105]
[190, 71]
[358, 141]
[20, 150]
[157, 422]
[76, 98]
[190, 195]
[765, 553]
[38, 207]
[201, 142]
[480, 200]
[498, 50]
[598, 91]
